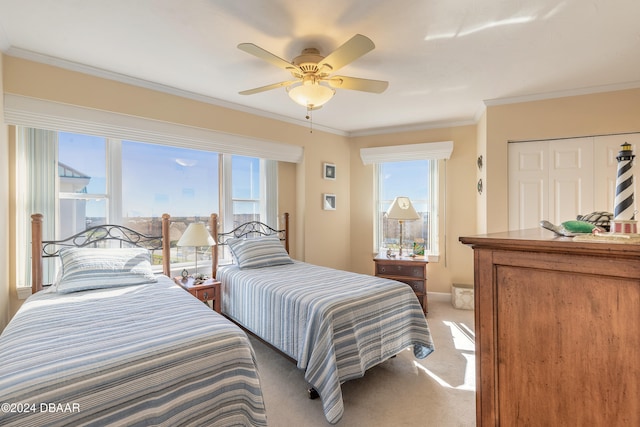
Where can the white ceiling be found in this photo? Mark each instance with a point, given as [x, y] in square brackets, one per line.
[443, 58]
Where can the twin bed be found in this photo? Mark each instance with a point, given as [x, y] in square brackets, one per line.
[112, 345]
[123, 350]
[334, 324]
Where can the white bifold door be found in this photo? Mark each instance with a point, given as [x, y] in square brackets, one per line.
[557, 180]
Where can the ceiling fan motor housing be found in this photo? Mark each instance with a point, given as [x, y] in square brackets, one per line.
[307, 62]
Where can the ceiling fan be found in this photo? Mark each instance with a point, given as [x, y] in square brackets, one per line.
[313, 83]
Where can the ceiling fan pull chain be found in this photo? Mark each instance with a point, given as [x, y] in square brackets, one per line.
[309, 117]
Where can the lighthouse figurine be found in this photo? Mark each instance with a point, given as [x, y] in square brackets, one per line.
[624, 209]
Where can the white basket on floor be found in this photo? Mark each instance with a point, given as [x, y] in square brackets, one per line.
[462, 296]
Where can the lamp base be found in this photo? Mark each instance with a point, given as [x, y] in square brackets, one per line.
[401, 233]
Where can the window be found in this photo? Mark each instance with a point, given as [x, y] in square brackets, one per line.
[245, 189]
[418, 180]
[102, 180]
[131, 183]
[82, 185]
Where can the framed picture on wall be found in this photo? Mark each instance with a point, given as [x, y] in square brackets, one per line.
[329, 202]
[329, 171]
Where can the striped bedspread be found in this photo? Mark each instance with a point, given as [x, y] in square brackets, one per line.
[136, 356]
[335, 324]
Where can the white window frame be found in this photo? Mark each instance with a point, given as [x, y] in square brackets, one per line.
[268, 193]
[441, 150]
[432, 208]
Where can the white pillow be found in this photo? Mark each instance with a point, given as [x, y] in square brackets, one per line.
[259, 252]
[100, 268]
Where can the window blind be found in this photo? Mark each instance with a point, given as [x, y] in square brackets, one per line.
[50, 115]
[398, 153]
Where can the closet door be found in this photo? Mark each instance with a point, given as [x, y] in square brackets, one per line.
[570, 179]
[528, 184]
[550, 180]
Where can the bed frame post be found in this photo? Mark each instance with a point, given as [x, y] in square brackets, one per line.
[286, 233]
[213, 226]
[36, 253]
[166, 245]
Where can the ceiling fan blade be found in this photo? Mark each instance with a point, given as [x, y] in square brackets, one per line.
[354, 83]
[268, 87]
[267, 56]
[351, 50]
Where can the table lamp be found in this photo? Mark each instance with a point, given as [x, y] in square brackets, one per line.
[402, 210]
[196, 235]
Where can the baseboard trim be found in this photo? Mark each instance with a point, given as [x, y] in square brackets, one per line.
[439, 296]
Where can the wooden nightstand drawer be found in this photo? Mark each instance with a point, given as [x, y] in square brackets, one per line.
[416, 285]
[417, 271]
[205, 294]
[208, 290]
[412, 271]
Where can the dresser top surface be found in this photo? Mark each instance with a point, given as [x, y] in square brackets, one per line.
[539, 239]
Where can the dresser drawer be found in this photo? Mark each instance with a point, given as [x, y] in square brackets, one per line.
[417, 271]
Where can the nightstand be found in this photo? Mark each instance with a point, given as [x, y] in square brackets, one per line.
[412, 271]
[209, 290]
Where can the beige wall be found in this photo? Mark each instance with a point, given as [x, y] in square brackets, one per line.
[319, 236]
[4, 216]
[481, 174]
[327, 232]
[457, 203]
[585, 115]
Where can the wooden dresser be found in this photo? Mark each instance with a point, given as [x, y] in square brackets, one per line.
[557, 330]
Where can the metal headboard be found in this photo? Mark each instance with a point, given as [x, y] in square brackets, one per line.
[94, 236]
[248, 229]
[91, 237]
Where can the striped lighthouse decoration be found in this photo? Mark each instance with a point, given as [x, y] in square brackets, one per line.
[624, 209]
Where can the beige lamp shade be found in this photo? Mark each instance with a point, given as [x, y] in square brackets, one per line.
[402, 209]
[196, 234]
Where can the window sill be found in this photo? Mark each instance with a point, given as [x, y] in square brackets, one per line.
[430, 258]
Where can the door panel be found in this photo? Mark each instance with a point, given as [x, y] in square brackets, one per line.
[528, 184]
[570, 179]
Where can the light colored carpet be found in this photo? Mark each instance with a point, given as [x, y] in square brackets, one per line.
[437, 391]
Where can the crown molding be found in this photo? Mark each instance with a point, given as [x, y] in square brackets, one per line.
[562, 94]
[158, 87]
[411, 128]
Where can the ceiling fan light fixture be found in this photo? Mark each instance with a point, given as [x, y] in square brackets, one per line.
[311, 95]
